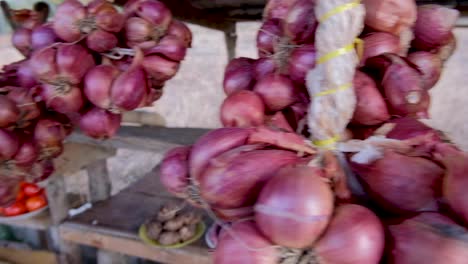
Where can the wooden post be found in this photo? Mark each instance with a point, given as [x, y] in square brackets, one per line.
[68, 253]
[99, 182]
[230, 35]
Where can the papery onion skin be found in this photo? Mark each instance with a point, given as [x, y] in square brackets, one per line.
[256, 248]
[378, 43]
[25, 102]
[239, 75]
[281, 139]
[43, 64]
[371, 108]
[174, 172]
[277, 92]
[181, 31]
[43, 36]
[277, 9]
[9, 144]
[137, 30]
[129, 89]
[387, 183]
[455, 180]
[301, 60]
[409, 127]
[9, 113]
[242, 109]
[268, 37]
[300, 23]
[393, 16]
[98, 83]
[49, 132]
[434, 26]
[65, 19]
[156, 13]
[9, 187]
[170, 47]
[101, 41]
[294, 207]
[428, 238]
[99, 123]
[42, 170]
[70, 101]
[354, 235]
[212, 144]
[264, 67]
[21, 39]
[73, 62]
[430, 66]
[253, 169]
[27, 153]
[26, 77]
[446, 51]
[159, 68]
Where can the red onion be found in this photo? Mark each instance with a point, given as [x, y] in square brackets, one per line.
[9, 144]
[301, 60]
[243, 244]
[252, 170]
[170, 47]
[282, 139]
[402, 84]
[49, 134]
[264, 67]
[43, 36]
[239, 75]
[26, 76]
[242, 109]
[279, 121]
[42, 170]
[434, 26]
[129, 89]
[455, 180]
[159, 68]
[300, 23]
[181, 31]
[294, 207]
[277, 9]
[9, 113]
[408, 127]
[378, 43]
[354, 235]
[430, 66]
[446, 51]
[174, 173]
[393, 16]
[68, 100]
[25, 102]
[370, 108]
[213, 144]
[74, 21]
[428, 238]
[268, 37]
[389, 186]
[99, 123]
[98, 85]
[277, 92]
[9, 188]
[27, 154]
[21, 39]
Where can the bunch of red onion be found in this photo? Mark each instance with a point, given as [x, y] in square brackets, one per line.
[84, 68]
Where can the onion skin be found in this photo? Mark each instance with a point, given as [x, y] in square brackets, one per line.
[264, 67]
[446, 51]
[155, 12]
[98, 84]
[21, 39]
[428, 238]
[25, 74]
[238, 75]
[27, 154]
[99, 123]
[371, 108]
[434, 26]
[49, 132]
[220, 189]
[277, 92]
[43, 36]
[300, 23]
[388, 183]
[9, 113]
[170, 47]
[242, 109]
[159, 68]
[277, 9]
[174, 170]
[181, 31]
[230, 251]
[455, 180]
[354, 235]
[25, 102]
[70, 101]
[66, 16]
[73, 61]
[294, 207]
[212, 144]
[129, 89]
[282, 139]
[268, 37]
[42, 170]
[9, 144]
[9, 188]
[378, 43]
[101, 41]
[43, 64]
[408, 127]
[392, 16]
[301, 60]
[430, 66]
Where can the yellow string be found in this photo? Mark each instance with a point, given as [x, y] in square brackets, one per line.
[339, 9]
[327, 143]
[332, 91]
[357, 43]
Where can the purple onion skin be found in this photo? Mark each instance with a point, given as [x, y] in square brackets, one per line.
[181, 31]
[159, 68]
[9, 113]
[170, 47]
[27, 153]
[239, 75]
[277, 92]
[100, 124]
[242, 109]
[98, 83]
[156, 13]
[9, 144]
[301, 61]
[430, 65]
[213, 144]
[26, 75]
[175, 171]
[101, 41]
[264, 67]
[43, 36]
[66, 15]
[69, 102]
[300, 23]
[269, 37]
[21, 39]
[129, 89]
[73, 62]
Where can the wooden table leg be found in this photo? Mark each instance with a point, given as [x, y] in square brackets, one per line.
[99, 182]
[230, 35]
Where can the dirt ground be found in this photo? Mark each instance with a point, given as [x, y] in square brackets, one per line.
[193, 97]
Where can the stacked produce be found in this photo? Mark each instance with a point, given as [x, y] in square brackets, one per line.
[30, 198]
[84, 68]
[289, 183]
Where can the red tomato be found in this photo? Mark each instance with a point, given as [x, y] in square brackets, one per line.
[36, 202]
[20, 196]
[31, 189]
[15, 209]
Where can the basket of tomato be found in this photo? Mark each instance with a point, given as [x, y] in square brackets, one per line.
[30, 201]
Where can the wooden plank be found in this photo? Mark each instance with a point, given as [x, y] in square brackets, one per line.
[87, 235]
[27, 256]
[143, 118]
[41, 222]
[99, 181]
[144, 138]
